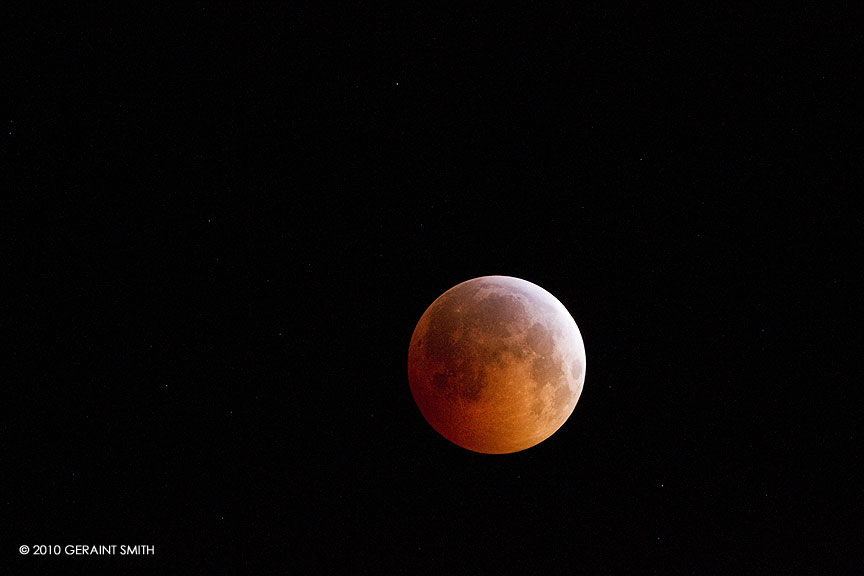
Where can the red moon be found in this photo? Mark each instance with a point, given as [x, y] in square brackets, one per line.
[496, 364]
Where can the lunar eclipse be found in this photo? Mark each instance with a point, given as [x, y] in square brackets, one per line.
[496, 364]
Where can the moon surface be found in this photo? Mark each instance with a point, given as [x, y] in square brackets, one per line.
[496, 364]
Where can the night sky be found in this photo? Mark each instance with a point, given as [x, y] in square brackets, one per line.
[225, 220]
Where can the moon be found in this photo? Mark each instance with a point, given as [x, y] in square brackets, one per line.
[496, 364]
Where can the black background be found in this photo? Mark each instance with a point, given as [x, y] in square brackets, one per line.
[226, 219]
